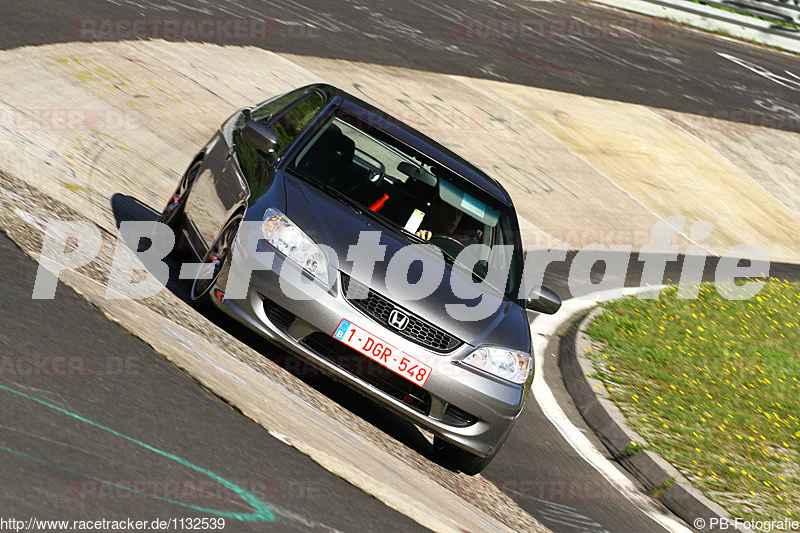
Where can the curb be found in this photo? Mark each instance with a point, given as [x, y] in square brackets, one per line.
[608, 423]
[704, 17]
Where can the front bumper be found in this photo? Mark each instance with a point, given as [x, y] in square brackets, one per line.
[452, 391]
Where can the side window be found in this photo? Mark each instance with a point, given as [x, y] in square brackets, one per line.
[264, 112]
[287, 126]
[292, 123]
[253, 166]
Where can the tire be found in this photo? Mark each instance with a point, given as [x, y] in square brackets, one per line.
[172, 215]
[217, 254]
[459, 458]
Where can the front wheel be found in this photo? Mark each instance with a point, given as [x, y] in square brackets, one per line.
[458, 458]
[213, 262]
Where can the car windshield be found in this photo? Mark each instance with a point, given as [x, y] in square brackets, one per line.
[411, 194]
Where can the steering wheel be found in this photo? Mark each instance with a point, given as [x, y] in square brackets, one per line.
[346, 184]
[448, 243]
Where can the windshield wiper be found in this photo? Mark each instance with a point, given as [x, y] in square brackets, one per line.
[330, 189]
[358, 208]
[447, 257]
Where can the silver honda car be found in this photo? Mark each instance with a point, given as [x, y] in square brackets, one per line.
[316, 170]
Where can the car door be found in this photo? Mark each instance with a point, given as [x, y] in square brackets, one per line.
[217, 193]
[223, 186]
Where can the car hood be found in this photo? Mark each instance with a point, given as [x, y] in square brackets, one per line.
[328, 221]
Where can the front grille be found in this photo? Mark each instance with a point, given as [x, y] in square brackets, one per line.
[368, 370]
[278, 315]
[418, 330]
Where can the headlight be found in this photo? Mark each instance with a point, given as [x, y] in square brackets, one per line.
[501, 362]
[290, 240]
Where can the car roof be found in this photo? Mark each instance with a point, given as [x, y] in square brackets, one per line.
[415, 139]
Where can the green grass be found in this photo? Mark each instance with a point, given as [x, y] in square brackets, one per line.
[658, 491]
[753, 15]
[726, 33]
[713, 386]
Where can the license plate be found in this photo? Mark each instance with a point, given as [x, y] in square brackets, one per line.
[382, 352]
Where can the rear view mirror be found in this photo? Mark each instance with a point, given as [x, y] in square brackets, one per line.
[543, 300]
[262, 138]
[417, 173]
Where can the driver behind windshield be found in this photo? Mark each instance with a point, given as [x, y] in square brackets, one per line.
[444, 220]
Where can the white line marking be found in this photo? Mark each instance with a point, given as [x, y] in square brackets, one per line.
[542, 330]
[281, 437]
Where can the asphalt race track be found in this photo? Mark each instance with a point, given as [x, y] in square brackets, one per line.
[120, 390]
[669, 67]
[140, 396]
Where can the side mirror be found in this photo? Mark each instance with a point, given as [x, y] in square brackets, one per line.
[543, 300]
[262, 138]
